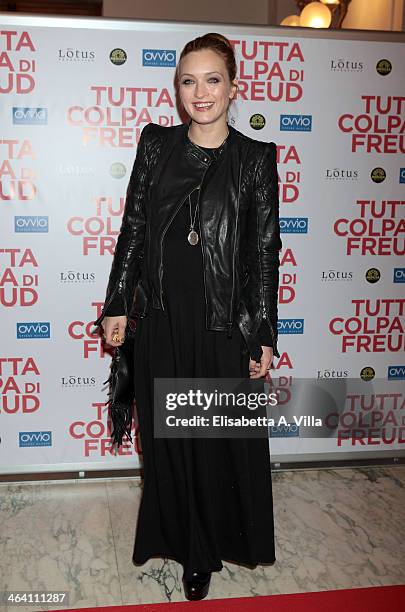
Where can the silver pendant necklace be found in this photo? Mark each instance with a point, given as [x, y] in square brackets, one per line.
[193, 235]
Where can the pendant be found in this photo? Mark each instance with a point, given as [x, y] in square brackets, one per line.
[192, 237]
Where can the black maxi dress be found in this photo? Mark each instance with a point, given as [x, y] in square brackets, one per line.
[204, 500]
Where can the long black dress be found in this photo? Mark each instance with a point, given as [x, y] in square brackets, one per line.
[204, 499]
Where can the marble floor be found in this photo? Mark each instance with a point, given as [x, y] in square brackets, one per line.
[335, 529]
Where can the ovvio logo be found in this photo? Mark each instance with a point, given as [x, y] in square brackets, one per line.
[33, 330]
[290, 326]
[291, 430]
[294, 225]
[159, 57]
[396, 372]
[402, 175]
[30, 116]
[295, 123]
[399, 275]
[34, 438]
[31, 224]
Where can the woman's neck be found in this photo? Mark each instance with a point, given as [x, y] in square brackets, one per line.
[210, 137]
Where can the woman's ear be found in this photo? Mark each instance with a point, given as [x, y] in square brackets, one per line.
[234, 88]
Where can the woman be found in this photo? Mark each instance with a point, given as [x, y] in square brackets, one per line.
[196, 263]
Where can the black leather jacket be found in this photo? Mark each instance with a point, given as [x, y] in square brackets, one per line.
[239, 221]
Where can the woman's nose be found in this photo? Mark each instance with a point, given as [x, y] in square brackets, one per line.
[200, 90]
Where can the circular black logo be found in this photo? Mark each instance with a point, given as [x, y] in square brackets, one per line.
[367, 373]
[117, 170]
[373, 275]
[118, 57]
[378, 175]
[383, 67]
[257, 121]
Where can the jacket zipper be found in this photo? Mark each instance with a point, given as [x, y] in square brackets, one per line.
[202, 250]
[124, 284]
[121, 278]
[265, 318]
[263, 305]
[161, 244]
[107, 303]
[230, 320]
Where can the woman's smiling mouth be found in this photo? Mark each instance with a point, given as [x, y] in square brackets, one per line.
[203, 106]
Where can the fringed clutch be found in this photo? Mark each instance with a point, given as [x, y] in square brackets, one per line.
[121, 389]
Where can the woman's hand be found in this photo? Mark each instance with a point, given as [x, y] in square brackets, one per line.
[114, 329]
[258, 369]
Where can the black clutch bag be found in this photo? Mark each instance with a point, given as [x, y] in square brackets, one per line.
[121, 392]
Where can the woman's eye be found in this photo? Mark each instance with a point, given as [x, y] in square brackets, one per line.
[211, 80]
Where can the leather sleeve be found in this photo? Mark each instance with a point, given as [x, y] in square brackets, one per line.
[264, 335]
[266, 204]
[128, 254]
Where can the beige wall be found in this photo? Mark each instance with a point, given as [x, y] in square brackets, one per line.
[363, 14]
[221, 11]
[285, 8]
[375, 15]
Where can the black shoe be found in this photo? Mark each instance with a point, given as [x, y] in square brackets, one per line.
[197, 587]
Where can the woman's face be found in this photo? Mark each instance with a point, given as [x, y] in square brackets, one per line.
[204, 86]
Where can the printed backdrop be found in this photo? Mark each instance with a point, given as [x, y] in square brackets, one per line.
[74, 100]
